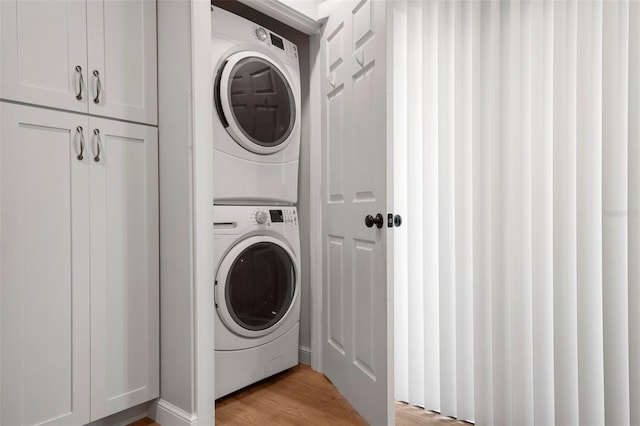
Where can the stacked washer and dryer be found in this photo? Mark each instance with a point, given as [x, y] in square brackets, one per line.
[256, 142]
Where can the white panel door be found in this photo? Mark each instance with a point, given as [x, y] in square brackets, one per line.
[124, 265]
[357, 312]
[44, 264]
[123, 59]
[44, 53]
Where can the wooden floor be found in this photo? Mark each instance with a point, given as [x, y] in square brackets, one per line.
[301, 396]
[144, 422]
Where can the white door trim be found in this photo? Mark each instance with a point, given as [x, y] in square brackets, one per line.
[201, 130]
[286, 14]
[315, 187]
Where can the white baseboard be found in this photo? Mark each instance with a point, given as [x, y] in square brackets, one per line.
[304, 355]
[168, 414]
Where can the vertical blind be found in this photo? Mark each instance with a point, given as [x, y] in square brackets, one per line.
[517, 287]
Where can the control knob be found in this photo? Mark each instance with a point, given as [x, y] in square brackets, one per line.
[261, 217]
[261, 33]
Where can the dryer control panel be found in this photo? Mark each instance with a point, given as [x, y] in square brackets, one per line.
[273, 39]
[274, 216]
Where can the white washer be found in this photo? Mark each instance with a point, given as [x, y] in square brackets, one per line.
[256, 128]
[257, 293]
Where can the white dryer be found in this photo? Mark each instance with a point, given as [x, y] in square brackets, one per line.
[256, 128]
[257, 294]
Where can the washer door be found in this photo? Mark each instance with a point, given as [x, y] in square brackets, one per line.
[255, 102]
[256, 286]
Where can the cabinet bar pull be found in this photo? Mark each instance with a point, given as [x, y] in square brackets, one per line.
[98, 143]
[80, 82]
[96, 74]
[80, 156]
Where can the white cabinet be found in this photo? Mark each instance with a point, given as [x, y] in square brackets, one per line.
[124, 266]
[123, 59]
[78, 266]
[96, 56]
[44, 52]
[44, 268]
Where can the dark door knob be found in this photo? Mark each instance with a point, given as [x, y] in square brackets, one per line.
[370, 220]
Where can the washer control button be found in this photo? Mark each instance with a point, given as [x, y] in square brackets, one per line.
[261, 217]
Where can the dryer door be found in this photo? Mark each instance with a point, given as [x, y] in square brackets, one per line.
[255, 102]
[256, 286]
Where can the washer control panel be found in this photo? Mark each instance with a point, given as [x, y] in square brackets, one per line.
[274, 40]
[274, 216]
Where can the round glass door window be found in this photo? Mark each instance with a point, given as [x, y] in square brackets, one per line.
[261, 100]
[260, 286]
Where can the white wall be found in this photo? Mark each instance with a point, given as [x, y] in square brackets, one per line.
[176, 281]
[186, 213]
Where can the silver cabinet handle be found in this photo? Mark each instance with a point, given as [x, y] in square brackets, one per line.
[80, 82]
[98, 143]
[80, 131]
[96, 74]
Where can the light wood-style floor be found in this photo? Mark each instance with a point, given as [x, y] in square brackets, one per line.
[301, 396]
[144, 422]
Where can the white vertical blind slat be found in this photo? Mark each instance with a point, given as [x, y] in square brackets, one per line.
[431, 229]
[501, 229]
[415, 202]
[542, 212]
[487, 80]
[401, 274]
[564, 214]
[464, 217]
[589, 211]
[521, 274]
[634, 211]
[615, 78]
[446, 180]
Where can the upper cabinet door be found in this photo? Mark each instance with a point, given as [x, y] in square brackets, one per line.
[44, 267]
[44, 53]
[124, 265]
[123, 59]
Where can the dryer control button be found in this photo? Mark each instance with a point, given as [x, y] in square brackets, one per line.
[261, 217]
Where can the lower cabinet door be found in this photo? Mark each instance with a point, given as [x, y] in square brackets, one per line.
[124, 265]
[44, 267]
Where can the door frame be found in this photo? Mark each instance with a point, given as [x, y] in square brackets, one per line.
[315, 209]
